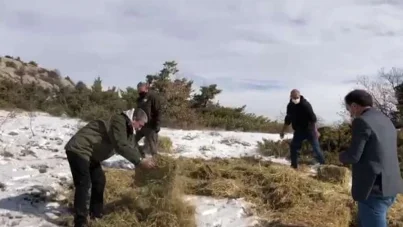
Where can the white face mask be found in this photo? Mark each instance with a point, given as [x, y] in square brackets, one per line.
[296, 101]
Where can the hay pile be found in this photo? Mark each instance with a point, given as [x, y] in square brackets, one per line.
[281, 195]
[335, 174]
[154, 198]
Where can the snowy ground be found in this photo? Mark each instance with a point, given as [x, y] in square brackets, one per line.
[33, 168]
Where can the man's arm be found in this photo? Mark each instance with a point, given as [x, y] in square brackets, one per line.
[312, 116]
[287, 119]
[119, 140]
[360, 135]
[156, 110]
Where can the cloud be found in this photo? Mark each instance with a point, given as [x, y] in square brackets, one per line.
[255, 50]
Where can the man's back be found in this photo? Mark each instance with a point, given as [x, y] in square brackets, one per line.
[99, 139]
[379, 161]
[151, 106]
[145, 102]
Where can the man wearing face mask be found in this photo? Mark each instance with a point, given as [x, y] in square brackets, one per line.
[149, 101]
[303, 120]
[373, 155]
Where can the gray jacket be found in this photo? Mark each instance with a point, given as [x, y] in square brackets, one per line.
[373, 155]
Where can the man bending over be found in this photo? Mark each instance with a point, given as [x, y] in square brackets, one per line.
[94, 143]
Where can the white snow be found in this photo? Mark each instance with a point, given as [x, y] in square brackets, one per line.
[33, 167]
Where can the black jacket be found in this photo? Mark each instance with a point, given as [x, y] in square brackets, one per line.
[151, 104]
[300, 115]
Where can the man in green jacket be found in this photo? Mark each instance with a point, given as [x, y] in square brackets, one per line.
[94, 143]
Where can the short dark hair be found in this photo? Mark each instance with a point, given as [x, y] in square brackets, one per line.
[141, 84]
[359, 97]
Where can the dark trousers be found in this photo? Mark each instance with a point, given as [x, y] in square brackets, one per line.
[296, 144]
[373, 211]
[150, 140]
[86, 175]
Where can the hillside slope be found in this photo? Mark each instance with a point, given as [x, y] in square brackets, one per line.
[16, 70]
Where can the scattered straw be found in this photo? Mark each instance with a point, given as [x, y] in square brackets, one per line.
[281, 196]
[145, 198]
[395, 213]
[335, 174]
[279, 193]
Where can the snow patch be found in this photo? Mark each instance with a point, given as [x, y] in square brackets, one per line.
[33, 168]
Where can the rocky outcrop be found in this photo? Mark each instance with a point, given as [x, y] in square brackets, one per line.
[18, 71]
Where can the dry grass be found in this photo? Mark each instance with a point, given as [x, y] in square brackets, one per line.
[335, 174]
[396, 213]
[277, 149]
[153, 199]
[282, 196]
[145, 199]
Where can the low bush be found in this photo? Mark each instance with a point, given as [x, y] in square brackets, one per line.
[333, 140]
[277, 149]
[33, 63]
[180, 108]
[165, 144]
[11, 64]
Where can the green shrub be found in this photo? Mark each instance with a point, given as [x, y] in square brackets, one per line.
[33, 63]
[278, 149]
[11, 64]
[333, 140]
[180, 109]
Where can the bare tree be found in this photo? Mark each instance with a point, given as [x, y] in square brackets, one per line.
[383, 90]
[281, 116]
[320, 121]
[31, 117]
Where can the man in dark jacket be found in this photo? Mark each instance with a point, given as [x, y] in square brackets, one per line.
[149, 101]
[303, 119]
[373, 155]
[94, 143]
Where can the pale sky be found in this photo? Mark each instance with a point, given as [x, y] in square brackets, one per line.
[255, 50]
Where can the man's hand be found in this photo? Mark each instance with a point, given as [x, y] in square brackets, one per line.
[282, 135]
[147, 163]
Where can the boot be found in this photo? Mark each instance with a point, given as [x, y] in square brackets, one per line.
[81, 222]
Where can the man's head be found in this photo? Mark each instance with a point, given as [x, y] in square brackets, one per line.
[142, 88]
[295, 96]
[357, 101]
[139, 119]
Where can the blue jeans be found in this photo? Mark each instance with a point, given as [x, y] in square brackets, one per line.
[372, 212]
[296, 144]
